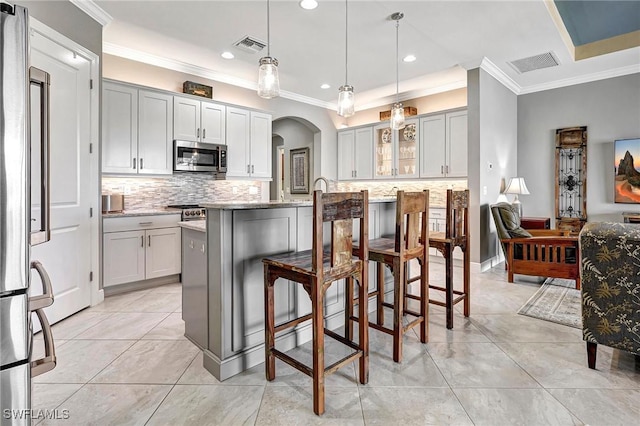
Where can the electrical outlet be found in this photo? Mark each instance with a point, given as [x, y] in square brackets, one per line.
[484, 190]
[234, 189]
[253, 190]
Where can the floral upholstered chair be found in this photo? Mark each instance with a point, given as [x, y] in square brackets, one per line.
[610, 270]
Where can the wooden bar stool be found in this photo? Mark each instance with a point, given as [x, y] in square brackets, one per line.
[316, 270]
[412, 209]
[456, 235]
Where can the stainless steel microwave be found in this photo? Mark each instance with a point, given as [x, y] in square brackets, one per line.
[200, 157]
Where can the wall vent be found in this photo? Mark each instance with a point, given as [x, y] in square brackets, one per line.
[250, 44]
[544, 60]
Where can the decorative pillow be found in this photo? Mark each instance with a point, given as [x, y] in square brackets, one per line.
[511, 221]
[519, 232]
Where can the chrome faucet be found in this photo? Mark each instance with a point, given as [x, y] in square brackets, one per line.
[324, 179]
[392, 192]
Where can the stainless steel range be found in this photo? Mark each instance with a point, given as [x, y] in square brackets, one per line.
[190, 211]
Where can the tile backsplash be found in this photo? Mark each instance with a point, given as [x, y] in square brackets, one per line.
[437, 188]
[183, 188]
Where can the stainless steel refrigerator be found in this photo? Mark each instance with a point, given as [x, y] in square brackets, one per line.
[23, 90]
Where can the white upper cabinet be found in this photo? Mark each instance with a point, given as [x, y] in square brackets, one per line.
[443, 145]
[137, 130]
[119, 128]
[355, 154]
[346, 154]
[155, 132]
[248, 143]
[198, 121]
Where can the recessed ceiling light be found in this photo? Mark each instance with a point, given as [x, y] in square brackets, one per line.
[325, 86]
[409, 58]
[308, 4]
[227, 55]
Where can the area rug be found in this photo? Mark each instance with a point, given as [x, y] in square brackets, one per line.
[556, 301]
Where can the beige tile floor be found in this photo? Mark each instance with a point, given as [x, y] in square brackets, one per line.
[126, 362]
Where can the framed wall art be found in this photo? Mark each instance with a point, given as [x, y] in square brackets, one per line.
[299, 179]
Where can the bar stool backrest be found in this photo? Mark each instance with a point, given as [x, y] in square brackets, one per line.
[339, 208]
[412, 210]
[457, 226]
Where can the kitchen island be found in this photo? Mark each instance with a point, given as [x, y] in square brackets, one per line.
[239, 236]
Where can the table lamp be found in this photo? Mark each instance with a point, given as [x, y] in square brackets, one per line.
[517, 187]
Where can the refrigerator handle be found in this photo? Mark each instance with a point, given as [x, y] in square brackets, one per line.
[40, 78]
[46, 298]
[48, 363]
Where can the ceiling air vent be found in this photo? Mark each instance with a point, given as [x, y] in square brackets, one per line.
[544, 60]
[250, 44]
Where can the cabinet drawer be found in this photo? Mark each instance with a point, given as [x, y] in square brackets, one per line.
[134, 223]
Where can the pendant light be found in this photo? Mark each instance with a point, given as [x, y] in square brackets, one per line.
[346, 98]
[268, 82]
[397, 112]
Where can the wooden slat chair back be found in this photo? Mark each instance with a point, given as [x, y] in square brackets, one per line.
[412, 234]
[316, 270]
[457, 226]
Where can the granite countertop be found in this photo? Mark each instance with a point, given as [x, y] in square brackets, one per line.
[142, 212]
[196, 225]
[248, 205]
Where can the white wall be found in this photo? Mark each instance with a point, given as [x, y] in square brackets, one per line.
[493, 129]
[609, 108]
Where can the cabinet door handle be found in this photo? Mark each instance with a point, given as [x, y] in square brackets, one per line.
[134, 163]
[204, 133]
[248, 168]
[441, 170]
[141, 240]
[191, 244]
[447, 168]
[145, 223]
[149, 240]
[252, 169]
[202, 249]
[141, 163]
[198, 132]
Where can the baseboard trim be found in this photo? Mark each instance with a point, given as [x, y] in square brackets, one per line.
[141, 285]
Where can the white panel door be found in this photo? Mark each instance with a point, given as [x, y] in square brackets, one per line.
[457, 144]
[67, 257]
[119, 128]
[363, 153]
[123, 257]
[164, 252]
[155, 133]
[186, 119]
[432, 146]
[260, 153]
[213, 120]
[346, 143]
[238, 134]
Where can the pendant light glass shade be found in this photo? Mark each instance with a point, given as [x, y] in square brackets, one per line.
[268, 81]
[397, 112]
[346, 101]
[346, 97]
[397, 116]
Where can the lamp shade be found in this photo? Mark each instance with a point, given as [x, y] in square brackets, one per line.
[397, 116]
[516, 186]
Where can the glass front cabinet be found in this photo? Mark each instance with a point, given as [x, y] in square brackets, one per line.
[396, 152]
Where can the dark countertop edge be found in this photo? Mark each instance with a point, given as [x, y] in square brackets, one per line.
[282, 204]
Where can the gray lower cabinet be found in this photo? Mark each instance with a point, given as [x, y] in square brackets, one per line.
[194, 286]
[238, 240]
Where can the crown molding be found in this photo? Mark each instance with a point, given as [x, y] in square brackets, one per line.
[617, 72]
[94, 11]
[172, 64]
[412, 94]
[494, 71]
